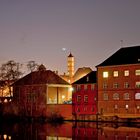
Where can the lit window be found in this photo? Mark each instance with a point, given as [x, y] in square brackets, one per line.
[137, 72]
[116, 96]
[126, 96]
[126, 85]
[78, 98]
[104, 85]
[115, 74]
[137, 96]
[87, 79]
[126, 73]
[137, 84]
[105, 74]
[105, 96]
[86, 98]
[126, 106]
[138, 107]
[115, 85]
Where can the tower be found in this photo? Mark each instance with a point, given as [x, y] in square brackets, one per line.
[70, 63]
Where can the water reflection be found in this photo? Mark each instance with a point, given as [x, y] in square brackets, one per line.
[70, 131]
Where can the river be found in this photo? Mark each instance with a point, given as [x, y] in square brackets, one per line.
[69, 131]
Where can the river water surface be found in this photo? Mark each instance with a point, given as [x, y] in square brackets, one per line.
[69, 131]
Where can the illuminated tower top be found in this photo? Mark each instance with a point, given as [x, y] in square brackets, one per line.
[70, 62]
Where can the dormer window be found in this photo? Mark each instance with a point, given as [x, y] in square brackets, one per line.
[87, 79]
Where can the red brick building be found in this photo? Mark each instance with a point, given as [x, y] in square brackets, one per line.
[84, 98]
[41, 93]
[119, 84]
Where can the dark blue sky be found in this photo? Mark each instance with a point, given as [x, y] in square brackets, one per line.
[90, 29]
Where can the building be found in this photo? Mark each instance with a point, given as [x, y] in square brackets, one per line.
[70, 69]
[41, 93]
[119, 84]
[84, 98]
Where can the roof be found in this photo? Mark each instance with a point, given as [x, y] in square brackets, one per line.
[89, 78]
[127, 55]
[41, 77]
[70, 55]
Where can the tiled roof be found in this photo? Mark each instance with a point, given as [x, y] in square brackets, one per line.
[128, 55]
[89, 78]
[41, 77]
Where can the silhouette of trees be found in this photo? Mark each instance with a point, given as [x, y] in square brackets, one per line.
[32, 65]
[9, 72]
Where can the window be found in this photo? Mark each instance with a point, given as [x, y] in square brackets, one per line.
[105, 74]
[87, 79]
[137, 96]
[115, 74]
[126, 73]
[137, 84]
[116, 96]
[92, 109]
[138, 107]
[78, 109]
[78, 98]
[126, 106]
[137, 72]
[105, 96]
[85, 108]
[85, 87]
[86, 98]
[126, 96]
[78, 87]
[126, 85]
[92, 87]
[115, 85]
[104, 85]
[116, 106]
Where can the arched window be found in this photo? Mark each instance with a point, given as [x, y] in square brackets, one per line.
[116, 96]
[126, 96]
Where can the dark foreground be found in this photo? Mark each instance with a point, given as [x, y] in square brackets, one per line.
[22, 130]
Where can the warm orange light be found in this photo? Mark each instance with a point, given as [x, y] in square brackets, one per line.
[5, 136]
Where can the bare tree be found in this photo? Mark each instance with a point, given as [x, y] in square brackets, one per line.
[9, 72]
[32, 65]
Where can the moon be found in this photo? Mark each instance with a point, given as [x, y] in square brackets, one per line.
[64, 49]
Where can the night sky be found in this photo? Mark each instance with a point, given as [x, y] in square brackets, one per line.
[47, 30]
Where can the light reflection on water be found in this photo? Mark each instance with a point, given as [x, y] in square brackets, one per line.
[69, 131]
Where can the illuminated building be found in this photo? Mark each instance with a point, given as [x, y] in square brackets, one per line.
[41, 93]
[84, 97]
[70, 69]
[119, 84]
[70, 63]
